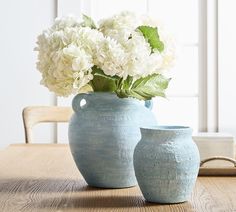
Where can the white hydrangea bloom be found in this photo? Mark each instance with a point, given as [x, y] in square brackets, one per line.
[138, 53]
[110, 56]
[81, 61]
[139, 61]
[62, 23]
[68, 50]
[65, 56]
[120, 26]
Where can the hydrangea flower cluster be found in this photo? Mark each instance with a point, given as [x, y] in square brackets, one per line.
[121, 51]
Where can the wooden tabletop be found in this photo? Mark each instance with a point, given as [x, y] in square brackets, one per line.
[43, 177]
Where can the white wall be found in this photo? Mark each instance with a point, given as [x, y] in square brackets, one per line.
[227, 66]
[20, 23]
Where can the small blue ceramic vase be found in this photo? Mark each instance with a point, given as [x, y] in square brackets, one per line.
[103, 134]
[166, 163]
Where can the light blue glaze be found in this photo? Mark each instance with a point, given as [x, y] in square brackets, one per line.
[103, 134]
[166, 163]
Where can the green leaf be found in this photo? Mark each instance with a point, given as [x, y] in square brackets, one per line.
[127, 83]
[145, 88]
[101, 82]
[152, 37]
[88, 22]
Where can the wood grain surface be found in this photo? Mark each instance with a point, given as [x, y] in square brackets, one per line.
[43, 177]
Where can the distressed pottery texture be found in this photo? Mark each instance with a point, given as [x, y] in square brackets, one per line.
[103, 134]
[166, 163]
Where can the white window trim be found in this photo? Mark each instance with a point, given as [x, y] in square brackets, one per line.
[212, 68]
[208, 66]
[202, 56]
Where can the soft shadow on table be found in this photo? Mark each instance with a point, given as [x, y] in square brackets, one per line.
[126, 201]
[18, 185]
[95, 202]
[72, 194]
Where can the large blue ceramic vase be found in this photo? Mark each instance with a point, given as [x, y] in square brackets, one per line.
[103, 133]
[166, 162]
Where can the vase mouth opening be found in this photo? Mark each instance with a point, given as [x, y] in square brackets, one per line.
[98, 93]
[166, 128]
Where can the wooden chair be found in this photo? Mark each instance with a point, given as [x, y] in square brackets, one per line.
[36, 114]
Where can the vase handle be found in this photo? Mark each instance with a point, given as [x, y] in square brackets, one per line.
[77, 103]
[149, 104]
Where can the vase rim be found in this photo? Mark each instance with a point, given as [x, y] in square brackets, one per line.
[98, 92]
[166, 128]
[110, 95]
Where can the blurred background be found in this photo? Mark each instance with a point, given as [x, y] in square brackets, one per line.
[202, 92]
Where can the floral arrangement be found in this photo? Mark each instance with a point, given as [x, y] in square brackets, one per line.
[125, 54]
